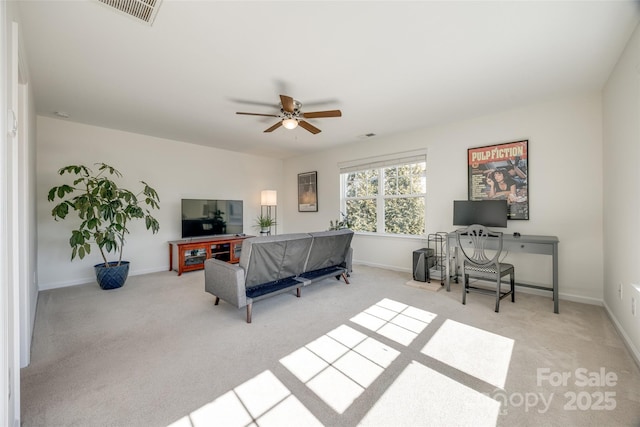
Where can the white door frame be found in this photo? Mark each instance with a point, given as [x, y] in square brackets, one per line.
[10, 224]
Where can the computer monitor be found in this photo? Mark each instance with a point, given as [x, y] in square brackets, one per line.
[490, 213]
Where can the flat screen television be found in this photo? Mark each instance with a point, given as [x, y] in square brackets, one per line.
[490, 213]
[202, 217]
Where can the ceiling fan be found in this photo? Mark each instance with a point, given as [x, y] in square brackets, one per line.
[291, 115]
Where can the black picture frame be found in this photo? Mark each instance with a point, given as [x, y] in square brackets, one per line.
[308, 192]
[501, 172]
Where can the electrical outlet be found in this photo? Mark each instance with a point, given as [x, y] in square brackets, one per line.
[620, 290]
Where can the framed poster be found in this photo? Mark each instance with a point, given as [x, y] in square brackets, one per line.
[501, 172]
[308, 192]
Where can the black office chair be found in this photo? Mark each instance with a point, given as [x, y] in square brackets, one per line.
[478, 265]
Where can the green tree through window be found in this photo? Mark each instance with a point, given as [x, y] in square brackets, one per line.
[389, 199]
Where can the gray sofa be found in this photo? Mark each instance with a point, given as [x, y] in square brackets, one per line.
[274, 264]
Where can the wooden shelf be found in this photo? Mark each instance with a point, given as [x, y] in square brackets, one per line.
[190, 254]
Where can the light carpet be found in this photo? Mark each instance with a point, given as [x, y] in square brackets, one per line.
[376, 352]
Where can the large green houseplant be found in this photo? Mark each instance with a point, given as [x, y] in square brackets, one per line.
[105, 211]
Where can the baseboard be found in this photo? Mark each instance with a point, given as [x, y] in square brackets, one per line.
[92, 279]
[581, 299]
[65, 284]
[384, 266]
[151, 270]
[563, 296]
[635, 353]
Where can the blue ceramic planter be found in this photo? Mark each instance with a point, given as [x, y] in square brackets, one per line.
[112, 277]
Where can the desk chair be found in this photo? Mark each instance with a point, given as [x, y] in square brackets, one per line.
[478, 265]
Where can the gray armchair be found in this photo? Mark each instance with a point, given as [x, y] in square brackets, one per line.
[475, 242]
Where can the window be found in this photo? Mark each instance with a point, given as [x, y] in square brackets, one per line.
[386, 196]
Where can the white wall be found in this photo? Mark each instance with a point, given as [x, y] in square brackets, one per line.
[565, 188]
[175, 169]
[621, 107]
[565, 144]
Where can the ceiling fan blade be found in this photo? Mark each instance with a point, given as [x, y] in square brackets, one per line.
[249, 102]
[321, 114]
[258, 114]
[308, 126]
[287, 103]
[274, 127]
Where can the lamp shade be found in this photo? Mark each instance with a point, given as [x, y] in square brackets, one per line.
[269, 198]
[290, 123]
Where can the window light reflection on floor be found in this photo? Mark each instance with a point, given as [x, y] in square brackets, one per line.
[421, 396]
[263, 399]
[479, 353]
[394, 320]
[340, 365]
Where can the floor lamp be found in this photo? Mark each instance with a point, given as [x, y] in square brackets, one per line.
[268, 200]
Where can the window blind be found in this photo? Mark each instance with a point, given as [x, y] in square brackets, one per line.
[396, 159]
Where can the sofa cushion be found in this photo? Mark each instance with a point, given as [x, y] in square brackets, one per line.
[323, 272]
[272, 287]
[272, 258]
[329, 249]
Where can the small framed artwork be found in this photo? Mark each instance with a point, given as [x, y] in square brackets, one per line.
[308, 192]
[501, 172]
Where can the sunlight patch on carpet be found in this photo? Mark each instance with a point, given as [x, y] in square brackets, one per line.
[263, 401]
[421, 396]
[339, 366]
[479, 353]
[261, 393]
[396, 321]
[291, 412]
[227, 410]
[344, 363]
[335, 388]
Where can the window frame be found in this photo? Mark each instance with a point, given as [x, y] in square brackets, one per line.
[380, 197]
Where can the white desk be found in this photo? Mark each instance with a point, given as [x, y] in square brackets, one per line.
[545, 245]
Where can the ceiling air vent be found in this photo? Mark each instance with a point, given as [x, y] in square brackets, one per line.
[144, 10]
[367, 135]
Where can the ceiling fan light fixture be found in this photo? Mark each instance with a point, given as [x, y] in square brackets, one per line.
[291, 116]
[290, 123]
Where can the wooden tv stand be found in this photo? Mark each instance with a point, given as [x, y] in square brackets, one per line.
[192, 253]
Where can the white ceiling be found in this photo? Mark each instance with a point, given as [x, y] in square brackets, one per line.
[390, 66]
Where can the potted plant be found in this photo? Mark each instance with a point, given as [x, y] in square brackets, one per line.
[105, 211]
[264, 223]
[339, 225]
